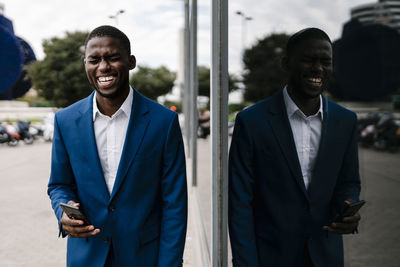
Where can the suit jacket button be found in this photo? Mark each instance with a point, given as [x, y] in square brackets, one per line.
[111, 208]
[105, 240]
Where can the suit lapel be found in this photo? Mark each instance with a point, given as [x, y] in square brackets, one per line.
[280, 124]
[88, 147]
[137, 127]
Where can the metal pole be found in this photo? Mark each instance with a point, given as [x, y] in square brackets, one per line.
[193, 91]
[219, 134]
[186, 70]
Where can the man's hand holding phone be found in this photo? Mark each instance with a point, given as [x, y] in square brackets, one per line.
[347, 221]
[77, 228]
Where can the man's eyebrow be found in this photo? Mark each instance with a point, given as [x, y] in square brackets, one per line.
[116, 54]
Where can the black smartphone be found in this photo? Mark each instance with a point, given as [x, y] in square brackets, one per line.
[74, 213]
[349, 210]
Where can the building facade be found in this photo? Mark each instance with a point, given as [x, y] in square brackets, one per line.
[385, 12]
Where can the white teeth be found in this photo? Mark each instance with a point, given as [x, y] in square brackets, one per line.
[105, 79]
[315, 80]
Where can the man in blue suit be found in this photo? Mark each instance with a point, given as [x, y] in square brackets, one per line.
[119, 157]
[293, 163]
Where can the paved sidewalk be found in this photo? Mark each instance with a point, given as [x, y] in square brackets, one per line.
[28, 227]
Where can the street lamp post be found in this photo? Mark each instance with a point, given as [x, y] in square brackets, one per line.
[244, 20]
[119, 12]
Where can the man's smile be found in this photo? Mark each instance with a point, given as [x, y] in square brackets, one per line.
[314, 81]
[105, 81]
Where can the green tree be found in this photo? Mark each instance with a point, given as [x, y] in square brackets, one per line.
[204, 81]
[60, 77]
[263, 74]
[153, 82]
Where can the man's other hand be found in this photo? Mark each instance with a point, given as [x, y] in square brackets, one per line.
[75, 228]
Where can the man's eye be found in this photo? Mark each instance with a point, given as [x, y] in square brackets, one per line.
[306, 60]
[93, 61]
[114, 58]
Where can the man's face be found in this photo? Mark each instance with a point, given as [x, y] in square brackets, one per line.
[310, 68]
[107, 66]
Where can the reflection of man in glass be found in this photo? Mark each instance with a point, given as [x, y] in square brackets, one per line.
[119, 157]
[293, 163]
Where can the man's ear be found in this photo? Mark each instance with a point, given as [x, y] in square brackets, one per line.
[132, 62]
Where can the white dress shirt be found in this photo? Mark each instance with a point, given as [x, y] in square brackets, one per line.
[307, 135]
[110, 135]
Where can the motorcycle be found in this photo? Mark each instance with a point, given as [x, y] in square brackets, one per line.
[387, 134]
[48, 127]
[9, 135]
[23, 131]
[367, 135]
[36, 132]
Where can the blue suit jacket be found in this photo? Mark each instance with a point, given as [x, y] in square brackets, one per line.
[272, 216]
[145, 215]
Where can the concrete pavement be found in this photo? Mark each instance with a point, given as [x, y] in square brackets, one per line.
[28, 227]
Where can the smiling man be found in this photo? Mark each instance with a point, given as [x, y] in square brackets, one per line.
[119, 158]
[293, 163]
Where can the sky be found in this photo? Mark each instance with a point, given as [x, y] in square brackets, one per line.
[153, 25]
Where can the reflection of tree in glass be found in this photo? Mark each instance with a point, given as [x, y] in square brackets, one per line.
[263, 74]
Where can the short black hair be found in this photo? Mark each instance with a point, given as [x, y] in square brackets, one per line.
[305, 34]
[107, 30]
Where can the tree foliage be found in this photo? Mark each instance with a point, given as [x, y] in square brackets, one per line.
[60, 77]
[263, 74]
[153, 82]
[204, 81]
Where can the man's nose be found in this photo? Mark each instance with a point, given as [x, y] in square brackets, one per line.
[104, 65]
[317, 66]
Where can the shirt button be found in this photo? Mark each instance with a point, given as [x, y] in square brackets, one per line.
[111, 208]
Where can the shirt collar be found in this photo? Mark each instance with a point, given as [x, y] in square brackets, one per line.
[126, 107]
[292, 108]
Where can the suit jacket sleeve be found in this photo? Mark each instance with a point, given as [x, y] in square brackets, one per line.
[174, 199]
[241, 195]
[61, 187]
[348, 184]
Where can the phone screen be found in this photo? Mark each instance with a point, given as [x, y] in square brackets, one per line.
[352, 208]
[349, 210]
[74, 213]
